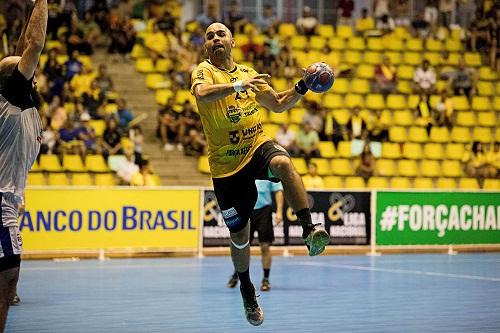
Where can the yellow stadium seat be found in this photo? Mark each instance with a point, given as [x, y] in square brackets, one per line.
[352, 100]
[378, 183]
[404, 87]
[354, 183]
[144, 65]
[460, 134]
[105, 179]
[352, 57]
[423, 183]
[356, 43]
[341, 86]
[417, 134]
[487, 119]
[485, 73]
[323, 166]
[240, 39]
[396, 102]
[372, 58]
[81, 179]
[296, 115]
[278, 118]
[98, 126]
[405, 72]
[326, 149]
[342, 167]
[138, 51]
[341, 116]
[433, 45]
[163, 65]
[163, 95]
[468, 184]
[433, 57]
[391, 150]
[279, 83]
[360, 86]
[412, 151]
[300, 165]
[365, 71]
[481, 103]
[491, 184]
[50, 163]
[412, 58]
[472, 59]
[58, 179]
[393, 44]
[184, 95]
[385, 167]
[439, 134]
[298, 42]
[397, 134]
[35, 167]
[407, 168]
[110, 108]
[332, 101]
[395, 58]
[332, 182]
[96, 163]
[433, 151]
[344, 149]
[429, 168]
[414, 44]
[73, 163]
[482, 134]
[403, 118]
[154, 80]
[36, 179]
[453, 45]
[460, 103]
[454, 59]
[400, 183]
[317, 42]
[238, 55]
[451, 168]
[375, 44]
[454, 151]
[287, 30]
[344, 31]
[496, 100]
[203, 165]
[325, 30]
[413, 101]
[446, 183]
[465, 118]
[271, 129]
[313, 98]
[485, 88]
[375, 101]
[336, 43]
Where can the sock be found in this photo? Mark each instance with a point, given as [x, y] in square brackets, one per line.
[235, 274]
[245, 279]
[304, 217]
[266, 273]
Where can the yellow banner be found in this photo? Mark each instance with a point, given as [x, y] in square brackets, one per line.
[80, 219]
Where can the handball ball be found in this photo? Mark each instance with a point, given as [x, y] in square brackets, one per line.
[318, 77]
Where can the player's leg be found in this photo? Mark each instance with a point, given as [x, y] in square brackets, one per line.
[316, 239]
[8, 282]
[265, 249]
[263, 221]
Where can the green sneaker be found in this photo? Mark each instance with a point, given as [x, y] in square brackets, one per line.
[316, 241]
[253, 312]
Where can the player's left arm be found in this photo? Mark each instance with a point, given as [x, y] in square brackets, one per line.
[280, 200]
[278, 102]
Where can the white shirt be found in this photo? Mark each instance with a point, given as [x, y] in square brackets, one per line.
[285, 139]
[425, 79]
[126, 170]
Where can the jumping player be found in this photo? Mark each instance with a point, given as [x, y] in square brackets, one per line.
[227, 96]
[20, 136]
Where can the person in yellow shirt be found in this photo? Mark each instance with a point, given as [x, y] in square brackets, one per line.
[312, 180]
[365, 23]
[475, 162]
[156, 43]
[229, 97]
[493, 160]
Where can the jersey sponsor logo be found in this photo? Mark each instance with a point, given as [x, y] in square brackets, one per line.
[238, 152]
[231, 217]
[233, 114]
[228, 213]
[200, 75]
[245, 134]
[234, 137]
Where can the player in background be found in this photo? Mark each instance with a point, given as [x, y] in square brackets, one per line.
[20, 137]
[228, 96]
[262, 222]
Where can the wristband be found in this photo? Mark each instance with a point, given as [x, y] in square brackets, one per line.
[301, 88]
[238, 86]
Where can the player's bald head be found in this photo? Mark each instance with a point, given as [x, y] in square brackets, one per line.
[217, 26]
[7, 66]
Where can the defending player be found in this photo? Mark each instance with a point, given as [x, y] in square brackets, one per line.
[239, 152]
[20, 135]
[262, 222]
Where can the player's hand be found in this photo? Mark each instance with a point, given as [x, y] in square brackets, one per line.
[279, 218]
[257, 79]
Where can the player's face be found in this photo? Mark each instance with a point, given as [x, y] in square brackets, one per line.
[218, 41]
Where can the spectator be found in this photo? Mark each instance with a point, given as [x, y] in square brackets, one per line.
[103, 79]
[480, 32]
[57, 113]
[464, 10]
[273, 40]
[100, 12]
[385, 77]
[122, 35]
[445, 69]
[445, 9]
[111, 139]
[285, 137]
[378, 127]
[356, 126]
[81, 82]
[380, 8]
[493, 159]
[445, 113]
[188, 119]
[366, 166]
[87, 134]
[365, 23]
[124, 115]
[166, 23]
[312, 180]
[168, 127]
[306, 25]
[195, 143]
[287, 64]
[211, 16]
[138, 141]
[93, 101]
[431, 15]
[90, 29]
[250, 49]
[69, 139]
[344, 12]
[143, 177]
[421, 27]
[156, 44]
[73, 66]
[401, 13]
[54, 20]
[423, 113]
[127, 169]
[385, 24]
[334, 130]
[315, 116]
[307, 142]
[475, 163]
[235, 20]
[424, 79]
[50, 139]
[266, 61]
[75, 39]
[495, 43]
[463, 80]
[267, 20]
[54, 73]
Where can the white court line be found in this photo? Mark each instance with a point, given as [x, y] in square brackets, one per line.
[69, 267]
[400, 271]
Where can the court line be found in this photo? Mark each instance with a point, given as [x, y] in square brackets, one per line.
[112, 267]
[400, 271]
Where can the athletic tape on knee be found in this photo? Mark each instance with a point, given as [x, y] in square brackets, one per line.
[240, 247]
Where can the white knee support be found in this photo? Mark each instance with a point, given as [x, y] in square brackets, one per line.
[240, 247]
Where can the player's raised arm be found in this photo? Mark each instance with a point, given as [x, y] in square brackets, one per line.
[21, 43]
[34, 39]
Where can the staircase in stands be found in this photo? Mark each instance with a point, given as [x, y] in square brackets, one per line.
[174, 168]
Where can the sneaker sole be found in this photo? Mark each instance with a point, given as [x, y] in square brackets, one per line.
[256, 323]
[317, 242]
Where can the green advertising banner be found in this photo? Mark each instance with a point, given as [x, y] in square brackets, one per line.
[437, 218]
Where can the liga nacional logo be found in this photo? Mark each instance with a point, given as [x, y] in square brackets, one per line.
[233, 114]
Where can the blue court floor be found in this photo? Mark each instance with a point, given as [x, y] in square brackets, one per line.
[391, 293]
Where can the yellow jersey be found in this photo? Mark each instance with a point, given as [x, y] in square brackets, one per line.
[232, 125]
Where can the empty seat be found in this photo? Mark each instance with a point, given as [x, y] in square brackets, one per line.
[423, 183]
[344, 31]
[105, 179]
[454, 151]
[400, 182]
[429, 168]
[96, 163]
[73, 163]
[325, 30]
[433, 151]
[433, 45]
[407, 168]
[417, 134]
[352, 57]
[468, 183]
[323, 166]
[333, 182]
[342, 167]
[466, 118]
[412, 151]
[144, 65]
[405, 72]
[378, 183]
[50, 163]
[81, 179]
[460, 103]
[375, 101]
[412, 58]
[397, 134]
[485, 88]
[403, 118]
[341, 86]
[365, 71]
[446, 183]
[492, 184]
[356, 43]
[472, 59]
[385, 167]
[203, 165]
[487, 119]
[482, 134]
[278, 118]
[460, 134]
[344, 149]
[396, 102]
[439, 134]
[354, 182]
[481, 103]
[414, 44]
[326, 149]
[451, 168]
[360, 86]
[332, 101]
[391, 150]
[300, 165]
[36, 179]
[58, 179]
